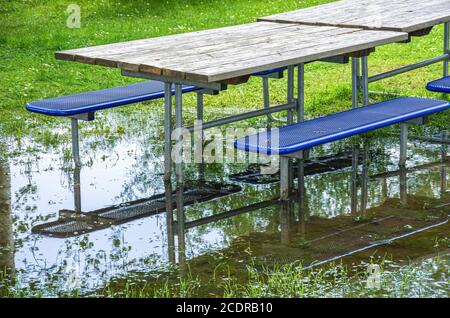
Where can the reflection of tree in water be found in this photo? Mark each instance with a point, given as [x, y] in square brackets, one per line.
[6, 230]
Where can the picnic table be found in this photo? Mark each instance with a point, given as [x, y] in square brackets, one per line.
[213, 59]
[416, 17]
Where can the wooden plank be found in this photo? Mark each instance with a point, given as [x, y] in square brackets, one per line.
[232, 52]
[390, 15]
[339, 45]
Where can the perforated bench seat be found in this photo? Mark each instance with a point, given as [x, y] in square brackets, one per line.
[93, 101]
[441, 85]
[341, 125]
[102, 99]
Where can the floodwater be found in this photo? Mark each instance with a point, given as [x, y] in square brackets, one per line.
[353, 210]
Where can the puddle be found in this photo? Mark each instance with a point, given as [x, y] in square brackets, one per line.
[343, 212]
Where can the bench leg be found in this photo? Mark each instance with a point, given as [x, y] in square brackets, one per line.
[75, 142]
[301, 195]
[180, 175]
[286, 221]
[403, 186]
[168, 170]
[355, 81]
[443, 168]
[403, 144]
[446, 46]
[285, 178]
[77, 189]
[354, 190]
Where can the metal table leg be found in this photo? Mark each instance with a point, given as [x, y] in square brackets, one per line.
[179, 173]
[365, 179]
[446, 46]
[168, 169]
[355, 81]
[354, 186]
[365, 79]
[301, 93]
[290, 120]
[290, 93]
[199, 139]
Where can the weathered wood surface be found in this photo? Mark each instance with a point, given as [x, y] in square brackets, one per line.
[389, 15]
[226, 53]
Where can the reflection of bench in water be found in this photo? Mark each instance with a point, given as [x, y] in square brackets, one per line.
[72, 223]
[425, 166]
[311, 167]
[322, 240]
[315, 240]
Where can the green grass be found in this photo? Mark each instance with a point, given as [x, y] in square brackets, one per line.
[33, 30]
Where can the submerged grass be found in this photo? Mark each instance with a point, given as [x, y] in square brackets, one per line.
[381, 278]
[428, 278]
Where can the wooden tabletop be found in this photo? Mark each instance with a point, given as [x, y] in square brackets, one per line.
[226, 53]
[390, 15]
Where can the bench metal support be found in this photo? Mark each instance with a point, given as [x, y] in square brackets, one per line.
[408, 68]
[75, 142]
[403, 144]
[77, 189]
[244, 116]
[445, 58]
[403, 186]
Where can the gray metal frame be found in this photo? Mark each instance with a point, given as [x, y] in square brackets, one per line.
[445, 58]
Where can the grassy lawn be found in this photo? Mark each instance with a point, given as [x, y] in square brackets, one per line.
[33, 30]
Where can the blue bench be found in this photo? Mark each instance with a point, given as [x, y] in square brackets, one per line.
[293, 139]
[441, 85]
[90, 102]
[84, 105]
